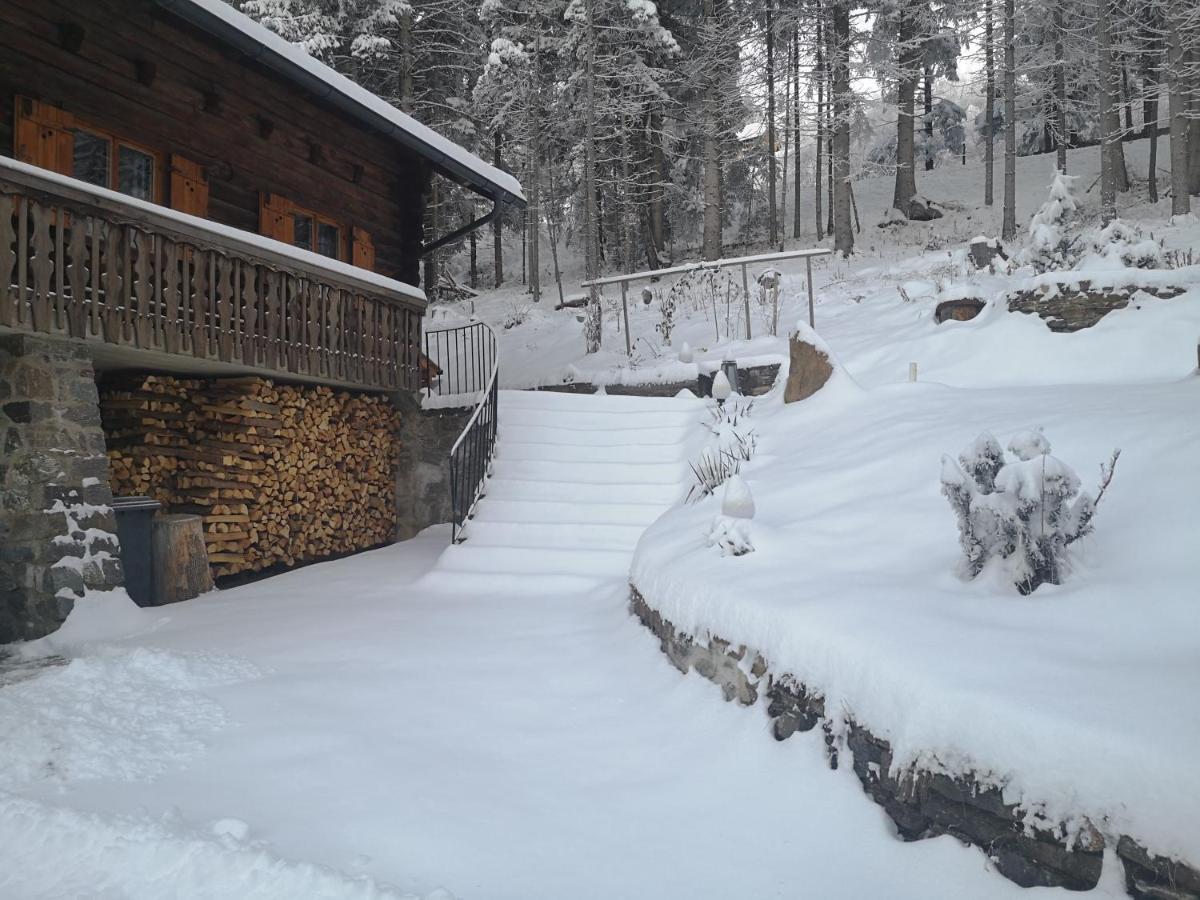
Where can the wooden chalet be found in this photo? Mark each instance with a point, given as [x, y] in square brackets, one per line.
[195, 207]
[155, 108]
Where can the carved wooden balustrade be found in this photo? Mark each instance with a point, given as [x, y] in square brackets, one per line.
[83, 263]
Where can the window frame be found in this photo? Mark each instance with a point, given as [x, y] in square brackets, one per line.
[286, 206]
[115, 142]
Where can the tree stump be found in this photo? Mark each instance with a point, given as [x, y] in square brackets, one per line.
[181, 569]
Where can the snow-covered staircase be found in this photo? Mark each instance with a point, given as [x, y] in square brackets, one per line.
[576, 479]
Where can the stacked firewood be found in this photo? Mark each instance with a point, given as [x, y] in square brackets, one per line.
[281, 474]
[145, 427]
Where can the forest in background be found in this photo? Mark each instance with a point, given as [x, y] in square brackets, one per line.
[648, 133]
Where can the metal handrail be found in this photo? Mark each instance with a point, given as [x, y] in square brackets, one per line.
[471, 453]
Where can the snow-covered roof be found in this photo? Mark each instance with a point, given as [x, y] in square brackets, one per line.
[223, 21]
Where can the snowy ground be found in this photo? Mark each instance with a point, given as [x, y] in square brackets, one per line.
[384, 724]
[490, 722]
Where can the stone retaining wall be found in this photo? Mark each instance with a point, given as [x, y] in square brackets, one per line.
[423, 475]
[922, 803]
[752, 380]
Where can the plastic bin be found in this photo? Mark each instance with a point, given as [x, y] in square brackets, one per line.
[135, 530]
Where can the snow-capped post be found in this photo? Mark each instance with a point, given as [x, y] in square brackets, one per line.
[1024, 513]
[811, 313]
[730, 531]
[685, 353]
[721, 389]
[912, 371]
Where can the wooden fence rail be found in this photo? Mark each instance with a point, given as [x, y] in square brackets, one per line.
[95, 267]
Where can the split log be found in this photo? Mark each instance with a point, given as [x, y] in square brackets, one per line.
[181, 566]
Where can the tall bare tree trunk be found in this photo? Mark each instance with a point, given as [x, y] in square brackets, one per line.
[908, 59]
[1181, 201]
[843, 230]
[818, 194]
[593, 321]
[772, 186]
[796, 171]
[1193, 104]
[497, 225]
[1060, 89]
[989, 105]
[928, 119]
[658, 241]
[1151, 59]
[1009, 228]
[711, 151]
[535, 178]
[1110, 122]
[830, 52]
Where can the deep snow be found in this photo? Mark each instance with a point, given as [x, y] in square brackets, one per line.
[491, 722]
[401, 721]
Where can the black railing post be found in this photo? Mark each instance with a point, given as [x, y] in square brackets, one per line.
[468, 360]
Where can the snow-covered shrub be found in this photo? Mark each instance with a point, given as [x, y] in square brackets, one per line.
[1022, 513]
[514, 314]
[730, 531]
[1125, 241]
[712, 469]
[733, 442]
[1050, 241]
[667, 304]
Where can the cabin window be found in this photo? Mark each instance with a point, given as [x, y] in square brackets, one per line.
[91, 158]
[135, 172]
[102, 159]
[286, 221]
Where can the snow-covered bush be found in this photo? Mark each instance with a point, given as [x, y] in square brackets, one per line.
[1125, 241]
[733, 442]
[1050, 242]
[667, 303]
[730, 531]
[1020, 514]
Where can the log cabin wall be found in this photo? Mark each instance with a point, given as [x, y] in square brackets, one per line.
[132, 68]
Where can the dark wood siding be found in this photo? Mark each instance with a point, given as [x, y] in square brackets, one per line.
[133, 68]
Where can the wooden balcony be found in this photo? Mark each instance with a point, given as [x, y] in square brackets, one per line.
[153, 288]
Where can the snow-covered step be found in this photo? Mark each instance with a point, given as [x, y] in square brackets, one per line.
[615, 473]
[561, 535]
[631, 453]
[551, 512]
[533, 561]
[575, 481]
[579, 492]
[547, 433]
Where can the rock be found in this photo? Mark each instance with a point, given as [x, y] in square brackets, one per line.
[1069, 309]
[810, 370]
[984, 251]
[1149, 877]
[921, 210]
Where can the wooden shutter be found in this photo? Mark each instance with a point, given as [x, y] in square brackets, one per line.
[363, 250]
[275, 218]
[189, 188]
[41, 137]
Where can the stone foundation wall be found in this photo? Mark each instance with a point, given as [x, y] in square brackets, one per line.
[423, 476]
[57, 531]
[921, 803]
[753, 381]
